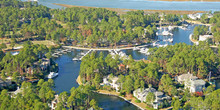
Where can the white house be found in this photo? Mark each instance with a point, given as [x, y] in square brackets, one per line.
[195, 85]
[54, 103]
[192, 82]
[194, 16]
[184, 77]
[204, 37]
[141, 95]
[111, 81]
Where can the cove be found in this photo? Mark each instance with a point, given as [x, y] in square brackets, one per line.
[69, 71]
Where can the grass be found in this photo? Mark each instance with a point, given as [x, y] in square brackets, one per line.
[48, 43]
[64, 25]
[124, 11]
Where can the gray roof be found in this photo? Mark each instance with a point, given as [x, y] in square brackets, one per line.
[198, 82]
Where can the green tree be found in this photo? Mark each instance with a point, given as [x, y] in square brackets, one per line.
[150, 98]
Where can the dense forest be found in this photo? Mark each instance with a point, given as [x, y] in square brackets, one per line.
[174, 60]
[158, 71]
[78, 26]
[40, 96]
[18, 65]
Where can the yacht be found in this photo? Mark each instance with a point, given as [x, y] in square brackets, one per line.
[52, 75]
[75, 59]
[136, 48]
[170, 28]
[166, 33]
[15, 53]
[170, 39]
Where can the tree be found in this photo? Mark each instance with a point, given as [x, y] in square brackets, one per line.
[13, 42]
[177, 104]
[93, 104]
[150, 98]
[165, 83]
[137, 84]
[3, 46]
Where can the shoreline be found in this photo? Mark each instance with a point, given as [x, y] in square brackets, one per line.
[112, 93]
[104, 49]
[197, 22]
[78, 80]
[193, 41]
[124, 11]
[186, 0]
[124, 98]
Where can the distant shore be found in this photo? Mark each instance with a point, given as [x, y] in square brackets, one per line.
[188, 0]
[124, 11]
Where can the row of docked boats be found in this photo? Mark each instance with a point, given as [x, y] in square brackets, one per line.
[168, 40]
[82, 54]
[115, 52]
[144, 51]
[59, 52]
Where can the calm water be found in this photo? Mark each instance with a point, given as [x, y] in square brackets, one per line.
[137, 4]
[68, 73]
[217, 82]
[69, 70]
[113, 103]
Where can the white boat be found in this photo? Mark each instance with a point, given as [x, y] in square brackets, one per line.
[166, 33]
[183, 27]
[63, 51]
[170, 28]
[136, 48]
[52, 75]
[54, 55]
[82, 53]
[75, 59]
[15, 53]
[142, 50]
[170, 39]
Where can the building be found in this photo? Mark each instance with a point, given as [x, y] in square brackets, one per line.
[111, 81]
[42, 63]
[54, 103]
[184, 77]
[204, 37]
[195, 85]
[141, 95]
[195, 16]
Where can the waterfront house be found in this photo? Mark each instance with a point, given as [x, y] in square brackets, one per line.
[195, 16]
[184, 77]
[141, 95]
[195, 85]
[205, 37]
[111, 81]
[42, 63]
[54, 103]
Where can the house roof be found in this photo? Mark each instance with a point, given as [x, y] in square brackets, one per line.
[198, 82]
[187, 76]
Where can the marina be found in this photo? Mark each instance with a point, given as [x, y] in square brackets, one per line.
[69, 69]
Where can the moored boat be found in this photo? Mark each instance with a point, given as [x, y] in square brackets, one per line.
[52, 75]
